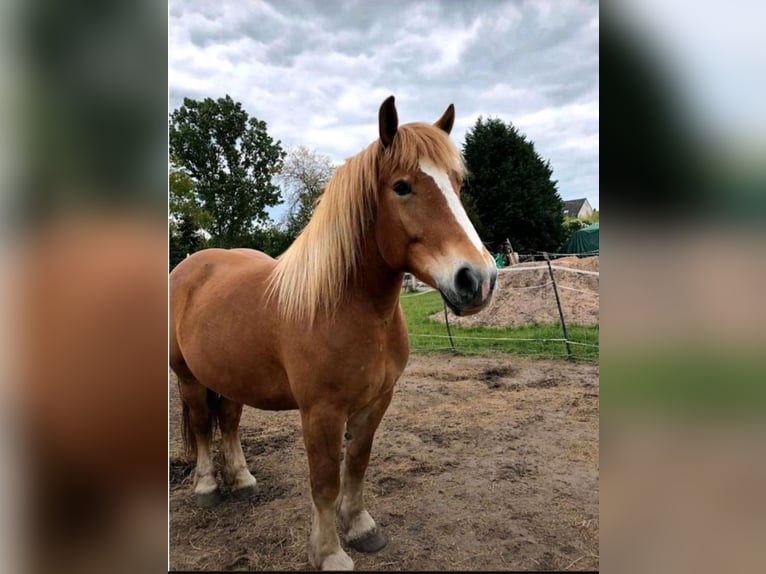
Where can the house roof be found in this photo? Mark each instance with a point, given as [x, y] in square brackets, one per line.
[572, 206]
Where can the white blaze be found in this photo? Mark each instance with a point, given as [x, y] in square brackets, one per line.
[442, 181]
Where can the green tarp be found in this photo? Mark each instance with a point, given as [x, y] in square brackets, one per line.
[583, 241]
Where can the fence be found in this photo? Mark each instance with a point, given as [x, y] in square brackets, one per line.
[553, 338]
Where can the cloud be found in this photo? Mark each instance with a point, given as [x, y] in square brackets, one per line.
[317, 72]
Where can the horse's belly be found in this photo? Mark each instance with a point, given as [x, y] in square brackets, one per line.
[270, 400]
[259, 382]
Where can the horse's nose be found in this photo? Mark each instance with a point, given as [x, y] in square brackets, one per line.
[469, 289]
[467, 283]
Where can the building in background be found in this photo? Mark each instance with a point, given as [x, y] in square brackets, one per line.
[578, 208]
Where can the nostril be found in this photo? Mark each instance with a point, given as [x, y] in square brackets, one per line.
[467, 281]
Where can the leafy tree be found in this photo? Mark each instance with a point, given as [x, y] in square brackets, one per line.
[510, 188]
[231, 160]
[570, 225]
[183, 200]
[469, 204]
[176, 252]
[185, 239]
[304, 175]
[187, 216]
[273, 240]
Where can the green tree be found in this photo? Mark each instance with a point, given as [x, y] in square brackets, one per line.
[571, 225]
[183, 200]
[186, 216]
[592, 218]
[510, 188]
[469, 204]
[231, 160]
[273, 240]
[304, 176]
[185, 239]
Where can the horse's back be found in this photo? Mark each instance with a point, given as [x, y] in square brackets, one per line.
[211, 278]
[251, 252]
[214, 269]
[214, 258]
[224, 329]
[214, 264]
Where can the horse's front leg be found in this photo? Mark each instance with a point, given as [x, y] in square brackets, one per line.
[360, 530]
[323, 435]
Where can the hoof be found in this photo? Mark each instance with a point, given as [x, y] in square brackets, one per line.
[245, 493]
[373, 541]
[207, 499]
[338, 561]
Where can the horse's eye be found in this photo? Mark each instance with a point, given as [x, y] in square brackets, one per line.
[402, 187]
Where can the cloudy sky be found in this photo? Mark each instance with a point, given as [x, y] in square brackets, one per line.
[316, 72]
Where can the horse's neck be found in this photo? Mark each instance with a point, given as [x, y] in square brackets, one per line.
[375, 280]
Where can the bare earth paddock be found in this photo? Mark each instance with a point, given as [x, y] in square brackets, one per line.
[481, 462]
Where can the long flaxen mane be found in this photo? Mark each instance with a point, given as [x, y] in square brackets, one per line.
[310, 277]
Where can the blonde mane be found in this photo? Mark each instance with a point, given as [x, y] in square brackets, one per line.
[311, 276]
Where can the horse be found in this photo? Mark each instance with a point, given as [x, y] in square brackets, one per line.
[320, 328]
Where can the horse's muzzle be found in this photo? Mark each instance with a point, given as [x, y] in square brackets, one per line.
[470, 290]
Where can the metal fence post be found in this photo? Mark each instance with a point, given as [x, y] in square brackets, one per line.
[449, 332]
[558, 304]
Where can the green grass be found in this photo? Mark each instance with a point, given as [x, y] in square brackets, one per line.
[429, 336]
[677, 378]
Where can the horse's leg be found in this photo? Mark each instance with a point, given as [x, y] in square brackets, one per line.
[235, 471]
[198, 427]
[323, 435]
[359, 528]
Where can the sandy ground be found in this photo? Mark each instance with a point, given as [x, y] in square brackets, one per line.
[525, 297]
[479, 463]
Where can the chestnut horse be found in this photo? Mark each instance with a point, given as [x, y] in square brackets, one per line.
[320, 329]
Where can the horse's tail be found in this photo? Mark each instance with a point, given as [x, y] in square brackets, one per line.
[190, 441]
[213, 399]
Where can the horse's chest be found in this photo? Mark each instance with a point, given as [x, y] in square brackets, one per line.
[375, 357]
[381, 359]
[377, 367]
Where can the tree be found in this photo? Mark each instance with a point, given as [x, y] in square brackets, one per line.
[187, 216]
[571, 225]
[304, 175]
[509, 188]
[273, 240]
[231, 160]
[184, 239]
[183, 200]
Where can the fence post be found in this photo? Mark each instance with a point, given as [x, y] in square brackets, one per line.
[449, 332]
[558, 304]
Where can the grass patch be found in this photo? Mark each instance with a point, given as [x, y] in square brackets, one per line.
[429, 336]
[708, 380]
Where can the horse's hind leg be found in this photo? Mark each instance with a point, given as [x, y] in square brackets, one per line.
[361, 532]
[198, 419]
[235, 471]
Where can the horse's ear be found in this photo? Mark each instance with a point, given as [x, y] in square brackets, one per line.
[447, 120]
[388, 121]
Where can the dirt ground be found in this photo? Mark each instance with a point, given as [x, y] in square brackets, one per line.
[481, 463]
[525, 297]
